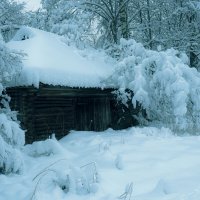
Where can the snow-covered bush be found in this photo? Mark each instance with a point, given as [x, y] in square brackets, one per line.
[85, 179]
[12, 137]
[49, 179]
[162, 82]
[79, 180]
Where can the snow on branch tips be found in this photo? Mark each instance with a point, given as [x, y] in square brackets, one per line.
[162, 82]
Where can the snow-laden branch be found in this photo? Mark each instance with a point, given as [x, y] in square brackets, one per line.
[162, 83]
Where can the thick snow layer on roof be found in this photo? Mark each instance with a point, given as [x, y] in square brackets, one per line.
[51, 61]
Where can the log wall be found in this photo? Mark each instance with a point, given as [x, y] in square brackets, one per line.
[57, 110]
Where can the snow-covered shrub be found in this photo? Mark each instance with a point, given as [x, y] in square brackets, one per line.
[50, 179]
[85, 179]
[162, 82]
[12, 137]
[44, 148]
[78, 180]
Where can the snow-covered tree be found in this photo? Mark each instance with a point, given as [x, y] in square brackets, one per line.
[168, 24]
[112, 16]
[102, 23]
[11, 17]
[69, 19]
[11, 135]
[161, 82]
[36, 19]
[188, 29]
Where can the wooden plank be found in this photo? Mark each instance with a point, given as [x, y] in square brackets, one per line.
[55, 108]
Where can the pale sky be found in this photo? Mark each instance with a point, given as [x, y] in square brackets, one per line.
[31, 4]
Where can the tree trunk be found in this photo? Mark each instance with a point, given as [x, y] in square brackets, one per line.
[149, 25]
[123, 19]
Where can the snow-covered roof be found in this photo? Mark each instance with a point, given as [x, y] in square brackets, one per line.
[50, 61]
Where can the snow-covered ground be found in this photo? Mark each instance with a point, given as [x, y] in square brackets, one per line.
[137, 164]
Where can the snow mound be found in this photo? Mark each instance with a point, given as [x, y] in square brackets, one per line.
[44, 148]
[49, 60]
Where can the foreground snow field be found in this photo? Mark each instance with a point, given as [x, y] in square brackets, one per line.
[137, 164]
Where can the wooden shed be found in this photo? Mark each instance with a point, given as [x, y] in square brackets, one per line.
[56, 110]
[60, 88]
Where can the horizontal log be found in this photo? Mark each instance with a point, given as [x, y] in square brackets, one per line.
[40, 105]
[56, 131]
[53, 112]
